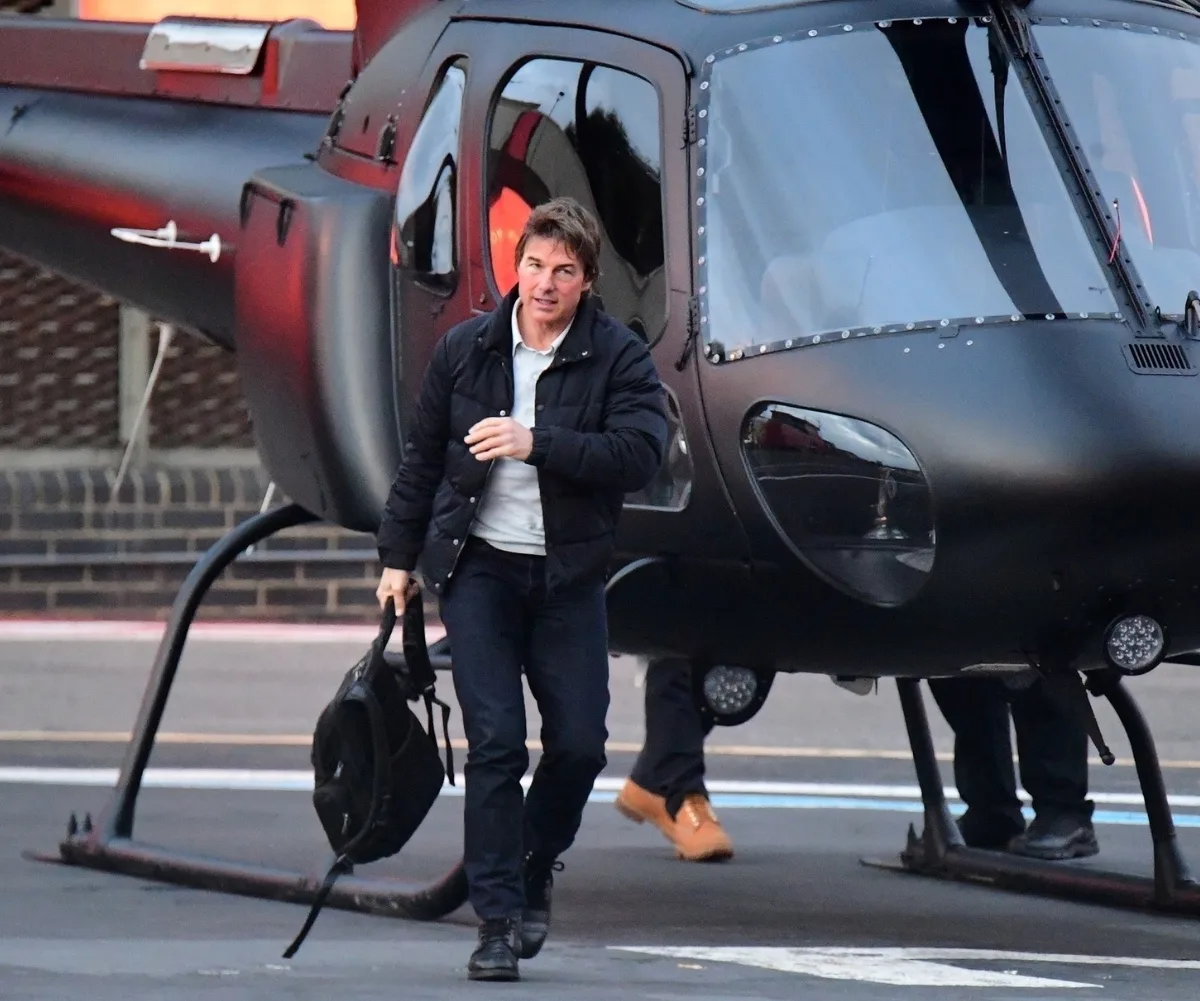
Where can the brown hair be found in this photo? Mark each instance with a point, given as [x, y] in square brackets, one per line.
[565, 221]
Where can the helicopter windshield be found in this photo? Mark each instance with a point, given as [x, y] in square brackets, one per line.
[1132, 95]
[871, 179]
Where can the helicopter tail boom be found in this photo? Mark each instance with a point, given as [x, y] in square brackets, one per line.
[76, 167]
[152, 131]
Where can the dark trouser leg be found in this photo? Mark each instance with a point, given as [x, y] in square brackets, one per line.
[671, 763]
[977, 711]
[566, 662]
[484, 612]
[1052, 748]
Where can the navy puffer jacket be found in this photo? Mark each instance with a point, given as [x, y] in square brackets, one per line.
[601, 432]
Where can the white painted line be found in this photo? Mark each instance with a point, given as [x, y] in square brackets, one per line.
[1065, 959]
[75, 631]
[895, 967]
[295, 780]
[901, 792]
[914, 967]
[282, 780]
[226, 779]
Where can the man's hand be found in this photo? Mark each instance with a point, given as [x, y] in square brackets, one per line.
[393, 584]
[498, 438]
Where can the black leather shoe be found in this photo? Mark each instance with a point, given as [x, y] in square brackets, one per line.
[1056, 837]
[495, 958]
[535, 919]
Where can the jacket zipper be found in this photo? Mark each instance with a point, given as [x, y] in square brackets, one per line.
[486, 478]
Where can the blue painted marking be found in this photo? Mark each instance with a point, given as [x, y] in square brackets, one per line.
[747, 801]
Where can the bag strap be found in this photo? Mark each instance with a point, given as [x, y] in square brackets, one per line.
[387, 623]
[340, 866]
[420, 670]
[430, 699]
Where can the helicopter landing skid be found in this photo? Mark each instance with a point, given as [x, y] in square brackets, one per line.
[110, 846]
[939, 850]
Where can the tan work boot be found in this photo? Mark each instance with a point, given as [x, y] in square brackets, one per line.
[695, 832]
[640, 805]
[698, 835]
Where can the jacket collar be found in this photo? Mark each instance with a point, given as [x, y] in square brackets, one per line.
[497, 335]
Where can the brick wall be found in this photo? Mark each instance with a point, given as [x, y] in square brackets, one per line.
[69, 548]
[58, 361]
[60, 382]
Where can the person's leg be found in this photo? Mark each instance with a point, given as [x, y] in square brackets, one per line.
[1052, 749]
[671, 762]
[668, 776]
[566, 662]
[484, 615]
[978, 713]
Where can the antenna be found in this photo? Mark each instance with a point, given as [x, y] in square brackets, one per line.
[168, 237]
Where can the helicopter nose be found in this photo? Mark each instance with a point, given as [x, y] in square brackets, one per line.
[848, 497]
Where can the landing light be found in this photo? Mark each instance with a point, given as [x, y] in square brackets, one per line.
[730, 690]
[731, 695]
[1135, 644]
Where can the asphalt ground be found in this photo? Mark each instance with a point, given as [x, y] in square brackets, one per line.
[817, 780]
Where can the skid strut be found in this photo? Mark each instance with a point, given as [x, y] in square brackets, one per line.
[109, 845]
[939, 850]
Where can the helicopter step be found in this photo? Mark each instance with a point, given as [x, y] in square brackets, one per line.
[939, 850]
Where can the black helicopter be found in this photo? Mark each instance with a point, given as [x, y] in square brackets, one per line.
[918, 275]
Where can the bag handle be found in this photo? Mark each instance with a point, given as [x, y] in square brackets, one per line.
[420, 670]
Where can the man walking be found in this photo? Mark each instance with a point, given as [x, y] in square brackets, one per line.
[533, 423]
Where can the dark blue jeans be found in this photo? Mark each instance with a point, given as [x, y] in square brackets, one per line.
[671, 763]
[499, 619]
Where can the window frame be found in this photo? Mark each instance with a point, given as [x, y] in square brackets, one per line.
[509, 44]
[460, 246]
[586, 66]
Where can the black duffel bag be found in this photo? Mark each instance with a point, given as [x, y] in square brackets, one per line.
[377, 771]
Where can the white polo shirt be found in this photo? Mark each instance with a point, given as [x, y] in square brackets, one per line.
[510, 515]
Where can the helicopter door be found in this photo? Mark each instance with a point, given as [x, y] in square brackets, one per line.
[429, 293]
[566, 111]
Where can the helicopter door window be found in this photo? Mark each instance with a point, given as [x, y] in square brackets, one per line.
[423, 237]
[563, 127]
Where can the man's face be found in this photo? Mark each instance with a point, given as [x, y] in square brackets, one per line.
[549, 282]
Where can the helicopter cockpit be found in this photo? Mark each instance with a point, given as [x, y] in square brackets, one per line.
[932, 193]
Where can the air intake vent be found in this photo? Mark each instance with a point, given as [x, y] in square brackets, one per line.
[1157, 358]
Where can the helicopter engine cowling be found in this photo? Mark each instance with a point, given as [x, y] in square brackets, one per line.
[313, 323]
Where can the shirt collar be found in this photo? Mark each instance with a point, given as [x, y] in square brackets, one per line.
[517, 342]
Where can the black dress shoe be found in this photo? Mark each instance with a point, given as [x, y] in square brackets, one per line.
[495, 958]
[1056, 837]
[535, 919]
